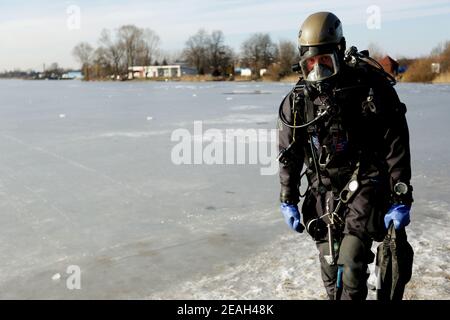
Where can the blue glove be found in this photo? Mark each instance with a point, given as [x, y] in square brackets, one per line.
[399, 214]
[292, 217]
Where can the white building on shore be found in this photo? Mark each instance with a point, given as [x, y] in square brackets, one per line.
[169, 71]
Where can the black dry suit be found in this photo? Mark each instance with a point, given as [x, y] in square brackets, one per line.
[364, 138]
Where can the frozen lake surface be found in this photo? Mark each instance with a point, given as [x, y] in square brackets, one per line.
[86, 179]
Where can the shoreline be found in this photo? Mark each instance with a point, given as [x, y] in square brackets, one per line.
[288, 79]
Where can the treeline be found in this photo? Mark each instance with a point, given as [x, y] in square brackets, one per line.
[129, 46]
[117, 51]
[433, 68]
[53, 71]
[19, 74]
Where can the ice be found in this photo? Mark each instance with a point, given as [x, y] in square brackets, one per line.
[99, 191]
[133, 134]
[56, 277]
[245, 107]
[242, 118]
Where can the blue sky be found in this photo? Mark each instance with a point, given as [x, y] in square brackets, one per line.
[35, 32]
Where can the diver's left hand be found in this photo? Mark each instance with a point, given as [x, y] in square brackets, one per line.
[399, 214]
[292, 217]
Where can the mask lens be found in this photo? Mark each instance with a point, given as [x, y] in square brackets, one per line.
[319, 67]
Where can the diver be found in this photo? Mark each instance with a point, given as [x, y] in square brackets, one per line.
[343, 121]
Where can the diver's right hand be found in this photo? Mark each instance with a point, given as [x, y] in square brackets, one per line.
[292, 217]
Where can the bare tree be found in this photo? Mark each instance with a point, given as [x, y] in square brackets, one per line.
[131, 46]
[216, 49]
[140, 45]
[149, 47]
[287, 55]
[219, 55]
[441, 54]
[208, 53]
[227, 60]
[258, 52]
[54, 67]
[83, 52]
[113, 50]
[171, 56]
[54, 71]
[102, 66]
[440, 48]
[195, 52]
[128, 46]
[131, 38]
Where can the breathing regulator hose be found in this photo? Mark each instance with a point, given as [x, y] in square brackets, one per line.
[352, 58]
[328, 110]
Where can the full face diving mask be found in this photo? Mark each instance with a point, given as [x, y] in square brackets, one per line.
[319, 67]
